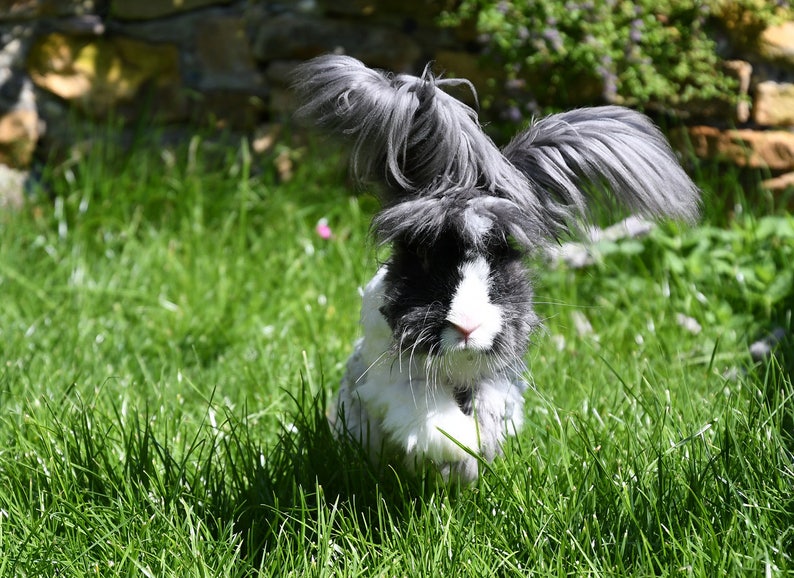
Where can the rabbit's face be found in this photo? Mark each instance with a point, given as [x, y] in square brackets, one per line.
[450, 300]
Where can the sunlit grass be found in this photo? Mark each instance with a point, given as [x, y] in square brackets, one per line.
[173, 329]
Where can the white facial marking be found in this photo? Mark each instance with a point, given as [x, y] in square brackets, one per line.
[474, 320]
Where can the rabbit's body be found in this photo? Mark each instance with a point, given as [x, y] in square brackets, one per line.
[428, 408]
[448, 318]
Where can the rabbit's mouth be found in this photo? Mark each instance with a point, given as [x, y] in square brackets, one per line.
[463, 368]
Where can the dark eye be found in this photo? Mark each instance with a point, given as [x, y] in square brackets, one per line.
[433, 260]
[503, 249]
[423, 256]
[419, 254]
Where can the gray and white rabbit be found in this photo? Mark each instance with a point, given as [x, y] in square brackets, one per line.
[438, 376]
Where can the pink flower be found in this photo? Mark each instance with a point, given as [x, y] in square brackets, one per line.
[323, 230]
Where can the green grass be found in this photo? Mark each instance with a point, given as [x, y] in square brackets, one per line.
[172, 330]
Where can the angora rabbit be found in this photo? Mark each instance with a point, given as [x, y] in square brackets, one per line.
[438, 377]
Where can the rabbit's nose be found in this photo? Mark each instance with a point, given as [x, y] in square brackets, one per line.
[465, 327]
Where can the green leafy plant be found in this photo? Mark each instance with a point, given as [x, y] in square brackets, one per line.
[748, 266]
[738, 278]
[559, 54]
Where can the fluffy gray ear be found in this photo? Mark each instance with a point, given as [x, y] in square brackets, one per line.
[608, 149]
[406, 132]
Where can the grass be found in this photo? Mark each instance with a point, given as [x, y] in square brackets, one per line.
[172, 331]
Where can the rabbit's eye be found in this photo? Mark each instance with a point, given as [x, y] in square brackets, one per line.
[423, 257]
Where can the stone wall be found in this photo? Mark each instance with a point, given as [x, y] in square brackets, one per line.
[225, 62]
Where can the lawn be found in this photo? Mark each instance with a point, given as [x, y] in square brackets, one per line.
[172, 329]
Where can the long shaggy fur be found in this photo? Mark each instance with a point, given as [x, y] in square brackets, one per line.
[436, 164]
[448, 318]
[608, 148]
[406, 131]
[421, 144]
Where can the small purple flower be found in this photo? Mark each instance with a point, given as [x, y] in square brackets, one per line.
[533, 108]
[554, 38]
[635, 31]
[514, 84]
[513, 114]
[610, 88]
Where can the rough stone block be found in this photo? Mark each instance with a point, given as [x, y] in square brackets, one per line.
[774, 104]
[299, 37]
[773, 149]
[115, 74]
[224, 57]
[150, 9]
[742, 71]
[27, 9]
[780, 184]
[19, 134]
[15, 39]
[12, 187]
[776, 44]
[425, 12]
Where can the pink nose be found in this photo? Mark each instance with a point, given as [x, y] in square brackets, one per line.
[465, 327]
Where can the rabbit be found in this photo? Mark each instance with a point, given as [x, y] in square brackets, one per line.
[438, 377]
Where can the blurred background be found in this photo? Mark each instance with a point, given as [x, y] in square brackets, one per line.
[719, 74]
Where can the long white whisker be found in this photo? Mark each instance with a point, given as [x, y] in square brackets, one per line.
[371, 365]
[400, 351]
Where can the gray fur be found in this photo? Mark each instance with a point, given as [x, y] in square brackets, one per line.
[439, 168]
[405, 130]
[608, 148]
[474, 215]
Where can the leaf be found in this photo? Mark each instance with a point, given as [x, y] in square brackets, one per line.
[781, 287]
[631, 247]
[766, 272]
[775, 226]
[674, 262]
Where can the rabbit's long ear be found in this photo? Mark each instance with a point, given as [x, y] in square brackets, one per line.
[609, 149]
[406, 132]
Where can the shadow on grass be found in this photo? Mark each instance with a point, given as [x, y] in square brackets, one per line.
[275, 491]
[270, 497]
